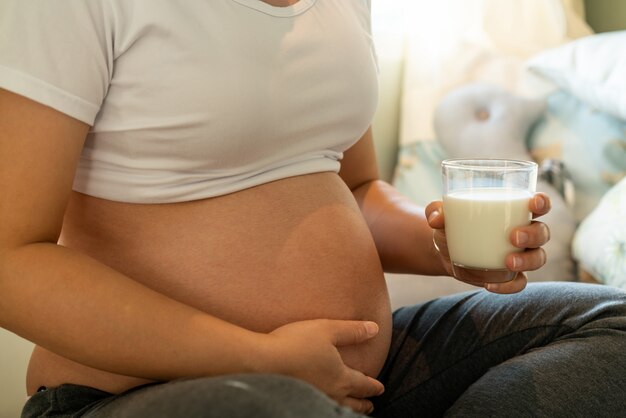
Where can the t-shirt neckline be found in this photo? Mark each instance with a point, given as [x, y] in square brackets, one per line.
[279, 11]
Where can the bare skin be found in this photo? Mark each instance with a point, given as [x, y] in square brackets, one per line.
[274, 254]
[133, 293]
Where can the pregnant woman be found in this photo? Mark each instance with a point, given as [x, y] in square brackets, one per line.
[192, 225]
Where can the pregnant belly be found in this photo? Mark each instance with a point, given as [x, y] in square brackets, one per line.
[285, 251]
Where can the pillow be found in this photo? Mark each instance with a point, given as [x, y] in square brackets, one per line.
[592, 68]
[487, 121]
[599, 244]
[591, 143]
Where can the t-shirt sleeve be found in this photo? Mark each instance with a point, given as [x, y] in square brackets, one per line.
[58, 53]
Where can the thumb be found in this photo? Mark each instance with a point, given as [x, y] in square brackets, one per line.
[352, 332]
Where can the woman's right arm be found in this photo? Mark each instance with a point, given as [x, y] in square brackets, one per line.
[70, 303]
[85, 311]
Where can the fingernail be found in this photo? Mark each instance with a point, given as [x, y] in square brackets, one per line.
[517, 261]
[491, 286]
[521, 237]
[371, 328]
[433, 216]
[540, 203]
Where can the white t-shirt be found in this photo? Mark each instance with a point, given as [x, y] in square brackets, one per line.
[196, 98]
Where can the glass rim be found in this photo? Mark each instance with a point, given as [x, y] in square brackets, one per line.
[489, 164]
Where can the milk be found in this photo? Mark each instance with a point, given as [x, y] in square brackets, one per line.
[478, 224]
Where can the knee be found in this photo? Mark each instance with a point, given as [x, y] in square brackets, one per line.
[593, 305]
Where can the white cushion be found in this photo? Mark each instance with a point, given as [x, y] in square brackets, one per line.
[600, 241]
[592, 68]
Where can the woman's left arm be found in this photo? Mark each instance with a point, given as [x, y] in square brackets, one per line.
[404, 236]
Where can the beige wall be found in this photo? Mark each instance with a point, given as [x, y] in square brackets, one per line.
[606, 15]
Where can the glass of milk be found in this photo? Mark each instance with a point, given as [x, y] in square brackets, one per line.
[483, 200]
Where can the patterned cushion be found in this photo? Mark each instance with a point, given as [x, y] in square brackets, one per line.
[591, 143]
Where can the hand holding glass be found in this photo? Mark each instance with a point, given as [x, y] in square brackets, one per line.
[483, 200]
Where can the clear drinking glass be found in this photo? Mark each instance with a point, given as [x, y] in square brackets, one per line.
[483, 200]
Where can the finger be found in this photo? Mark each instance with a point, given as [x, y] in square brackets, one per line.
[362, 386]
[362, 406]
[434, 214]
[532, 236]
[351, 332]
[516, 285]
[527, 260]
[540, 204]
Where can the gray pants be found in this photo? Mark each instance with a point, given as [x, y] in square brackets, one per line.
[553, 350]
